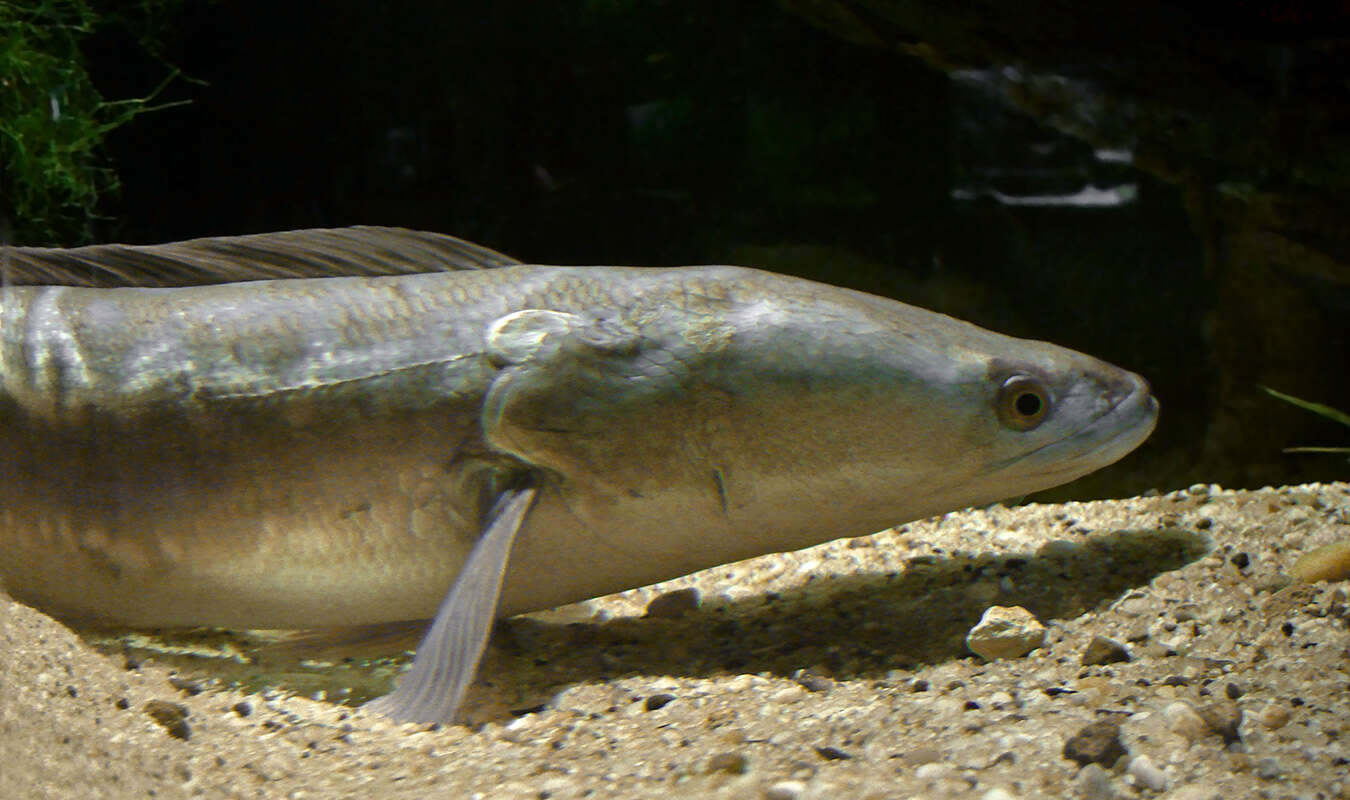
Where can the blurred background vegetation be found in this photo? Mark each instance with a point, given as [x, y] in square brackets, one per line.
[55, 172]
[840, 140]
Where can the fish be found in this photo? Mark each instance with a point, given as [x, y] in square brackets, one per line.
[357, 426]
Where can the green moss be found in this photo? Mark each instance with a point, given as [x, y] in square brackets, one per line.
[53, 120]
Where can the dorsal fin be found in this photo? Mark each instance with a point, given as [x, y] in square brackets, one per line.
[314, 253]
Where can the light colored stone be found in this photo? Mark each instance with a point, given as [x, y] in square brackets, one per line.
[933, 771]
[1269, 768]
[1196, 791]
[1182, 719]
[785, 790]
[1005, 632]
[1094, 783]
[1273, 716]
[1147, 774]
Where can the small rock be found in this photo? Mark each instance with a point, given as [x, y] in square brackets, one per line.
[1136, 606]
[1223, 718]
[730, 763]
[1146, 774]
[243, 708]
[1005, 632]
[674, 604]
[923, 755]
[1196, 791]
[832, 753]
[1186, 612]
[1273, 716]
[170, 716]
[933, 771]
[1102, 650]
[997, 794]
[186, 685]
[1269, 768]
[1182, 719]
[1097, 743]
[810, 681]
[785, 790]
[1094, 783]
[271, 767]
[657, 701]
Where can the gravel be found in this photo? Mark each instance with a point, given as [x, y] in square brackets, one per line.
[839, 671]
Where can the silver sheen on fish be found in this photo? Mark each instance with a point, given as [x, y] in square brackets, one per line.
[365, 425]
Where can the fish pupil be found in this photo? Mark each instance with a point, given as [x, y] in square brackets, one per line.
[1028, 404]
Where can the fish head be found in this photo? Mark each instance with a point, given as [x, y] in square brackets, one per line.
[801, 410]
[917, 413]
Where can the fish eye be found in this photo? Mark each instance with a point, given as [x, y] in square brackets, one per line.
[1023, 402]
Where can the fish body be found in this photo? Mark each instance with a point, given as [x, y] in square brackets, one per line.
[336, 451]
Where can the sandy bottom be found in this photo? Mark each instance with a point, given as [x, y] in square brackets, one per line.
[1178, 661]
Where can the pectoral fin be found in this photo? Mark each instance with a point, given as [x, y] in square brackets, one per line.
[448, 656]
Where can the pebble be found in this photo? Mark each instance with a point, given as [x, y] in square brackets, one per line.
[1136, 606]
[1186, 612]
[1273, 716]
[1095, 743]
[810, 681]
[170, 716]
[923, 755]
[1138, 631]
[186, 685]
[1094, 783]
[1269, 768]
[1224, 718]
[933, 771]
[730, 763]
[675, 603]
[785, 790]
[1102, 650]
[1196, 791]
[997, 794]
[1182, 719]
[1005, 632]
[657, 701]
[271, 767]
[1147, 774]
